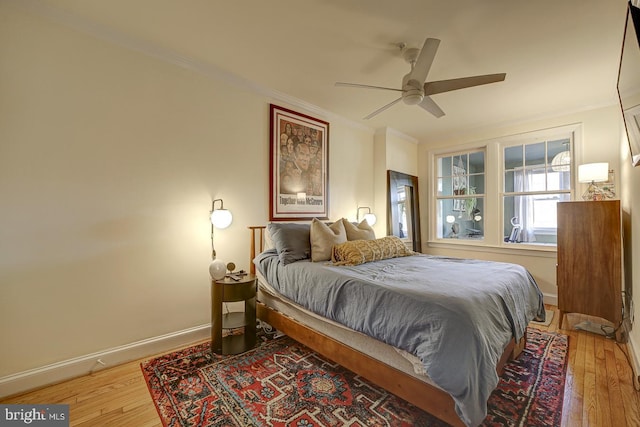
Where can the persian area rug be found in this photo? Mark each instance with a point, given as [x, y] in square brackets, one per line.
[283, 383]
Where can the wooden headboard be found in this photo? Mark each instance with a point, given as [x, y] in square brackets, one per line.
[257, 233]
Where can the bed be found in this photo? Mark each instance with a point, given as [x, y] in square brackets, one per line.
[433, 348]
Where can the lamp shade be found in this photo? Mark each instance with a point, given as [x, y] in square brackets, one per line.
[221, 218]
[593, 172]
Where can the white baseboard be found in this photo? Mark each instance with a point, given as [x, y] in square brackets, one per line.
[83, 365]
[550, 299]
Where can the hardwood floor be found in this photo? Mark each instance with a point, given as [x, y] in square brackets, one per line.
[599, 389]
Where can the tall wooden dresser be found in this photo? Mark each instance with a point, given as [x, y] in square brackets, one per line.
[589, 272]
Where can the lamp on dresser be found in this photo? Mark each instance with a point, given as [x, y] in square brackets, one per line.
[592, 173]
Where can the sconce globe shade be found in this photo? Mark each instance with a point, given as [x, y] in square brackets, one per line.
[593, 172]
[451, 219]
[217, 269]
[370, 218]
[221, 218]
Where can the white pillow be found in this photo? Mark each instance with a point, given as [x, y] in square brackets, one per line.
[323, 237]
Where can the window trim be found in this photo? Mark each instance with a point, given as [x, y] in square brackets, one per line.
[494, 187]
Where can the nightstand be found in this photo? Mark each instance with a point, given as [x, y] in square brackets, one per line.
[229, 290]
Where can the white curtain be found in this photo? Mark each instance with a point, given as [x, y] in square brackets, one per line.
[523, 206]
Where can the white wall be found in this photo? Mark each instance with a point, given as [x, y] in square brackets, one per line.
[109, 160]
[395, 151]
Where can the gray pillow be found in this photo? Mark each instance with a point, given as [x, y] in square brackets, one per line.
[291, 241]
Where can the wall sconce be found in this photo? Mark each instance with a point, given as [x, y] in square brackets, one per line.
[592, 173]
[369, 216]
[220, 218]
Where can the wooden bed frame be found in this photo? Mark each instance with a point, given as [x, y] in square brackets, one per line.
[421, 394]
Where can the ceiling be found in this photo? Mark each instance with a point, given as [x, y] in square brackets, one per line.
[559, 56]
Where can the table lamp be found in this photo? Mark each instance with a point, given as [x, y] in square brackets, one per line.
[592, 173]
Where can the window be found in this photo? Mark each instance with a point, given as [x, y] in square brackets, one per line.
[537, 175]
[460, 195]
[503, 192]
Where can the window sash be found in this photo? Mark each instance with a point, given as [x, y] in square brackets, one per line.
[460, 179]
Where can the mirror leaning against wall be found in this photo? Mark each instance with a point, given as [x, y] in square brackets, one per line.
[629, 81]
[403, 209]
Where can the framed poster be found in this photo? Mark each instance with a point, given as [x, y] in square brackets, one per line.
[299, 182]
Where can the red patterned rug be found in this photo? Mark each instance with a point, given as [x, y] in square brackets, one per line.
[282, 383]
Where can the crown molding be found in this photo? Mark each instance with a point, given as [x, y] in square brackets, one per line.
[399, 134]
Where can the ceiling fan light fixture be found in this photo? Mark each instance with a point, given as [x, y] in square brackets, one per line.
[412, 92]
[413, 97]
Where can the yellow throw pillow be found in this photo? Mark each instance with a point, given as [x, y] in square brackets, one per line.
[323, 237]
[360, 251]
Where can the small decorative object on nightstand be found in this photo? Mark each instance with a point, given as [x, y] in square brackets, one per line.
[232, 289]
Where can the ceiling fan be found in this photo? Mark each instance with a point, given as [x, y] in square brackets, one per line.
[416, 90]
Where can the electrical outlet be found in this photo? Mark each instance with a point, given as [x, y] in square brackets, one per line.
[98, 365]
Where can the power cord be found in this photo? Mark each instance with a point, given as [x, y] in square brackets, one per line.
[634, 379]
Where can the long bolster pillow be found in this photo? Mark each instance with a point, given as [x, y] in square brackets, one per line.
[360, 251]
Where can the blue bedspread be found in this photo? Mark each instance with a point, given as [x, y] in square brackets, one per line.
[456, 315]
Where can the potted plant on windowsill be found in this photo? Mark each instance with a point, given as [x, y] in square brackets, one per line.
[470, 202]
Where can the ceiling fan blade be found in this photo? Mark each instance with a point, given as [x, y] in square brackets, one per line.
[425, 59]
[431, 88]
[381, 109]
[430, 105]
[341, 84]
